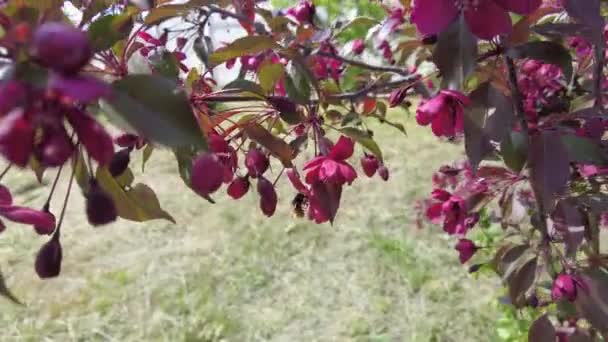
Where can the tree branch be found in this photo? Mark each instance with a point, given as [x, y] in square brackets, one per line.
[371, 88]
[420, 88]
[598, 74]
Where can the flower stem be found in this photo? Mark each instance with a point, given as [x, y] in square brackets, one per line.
[48, 200]
[6, 170]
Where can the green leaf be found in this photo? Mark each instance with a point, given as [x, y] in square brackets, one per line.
[269, 75]
[246, 85]
[487, 119]
[548, 52]
[549, 167]
[249, 45]
[276, 146]
[297, 86]
[147, 153]
[5, 292]
[166, 64]
[125, 179]
[456, 54]
[152, 106]
[162, 13]
[138, 203]
[364, 22]
[584, 150]
[542, 330]
[364, 139]
[185, 156]
[514, 150]
[81, 172]
[106, 31]
[592, 302]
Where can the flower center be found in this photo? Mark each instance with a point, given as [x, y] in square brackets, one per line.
[466, 5]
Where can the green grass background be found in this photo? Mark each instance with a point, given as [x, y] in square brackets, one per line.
[226, 273]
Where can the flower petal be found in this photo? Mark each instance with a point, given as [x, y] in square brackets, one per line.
[80, 88]
[434, 214]
[522, 7]
[294, 178]
[488, 20]
[433, 16]
[16, 137]
[5, 196]
[343, 149]
[93, 136]
[28, 216]
[330, 172]
[348, 172]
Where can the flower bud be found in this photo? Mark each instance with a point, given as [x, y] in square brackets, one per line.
[369, 164]
[429, 40]
[99, 205]
[120, 162]
[268, 196]
[16, 137]
[61, 47]
[283, 105]
[564, 286]
[303, 12]
[475, 268]
[55, 148]
[48, 259]
[207, 174]
[358, 46]
[45, 229]
[93, 136]
[396, 97]
[238, 188]
[466, 248]
[383, 173]
[256, 162]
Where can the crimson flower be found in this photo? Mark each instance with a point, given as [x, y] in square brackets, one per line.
[445, 113]
[358, 46]
[565, 286]
[453, 210]
[333, 167]
[44, 221]
[466, 248]
[323, 198]
[485, 18]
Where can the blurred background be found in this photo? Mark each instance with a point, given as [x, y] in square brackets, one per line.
[225, 272]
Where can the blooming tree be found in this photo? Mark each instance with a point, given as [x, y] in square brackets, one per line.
[520, 82]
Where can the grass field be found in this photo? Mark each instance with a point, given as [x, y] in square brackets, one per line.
[225, 272]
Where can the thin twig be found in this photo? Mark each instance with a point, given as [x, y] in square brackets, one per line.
[65, 202]
[363, 65]
[6, 170]
[371, 88]
[516, 95]
[48, 199]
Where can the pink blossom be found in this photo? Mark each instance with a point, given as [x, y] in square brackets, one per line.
[323, 198]
[566, 286]
[485, 18]
[466, 249]
[358, 46]
[333, 167]
[41, 219]
[369, 164]
[445, 113]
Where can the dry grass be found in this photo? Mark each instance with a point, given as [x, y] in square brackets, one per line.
[225, 272]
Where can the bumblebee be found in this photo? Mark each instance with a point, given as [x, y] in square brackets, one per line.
[299, 205]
